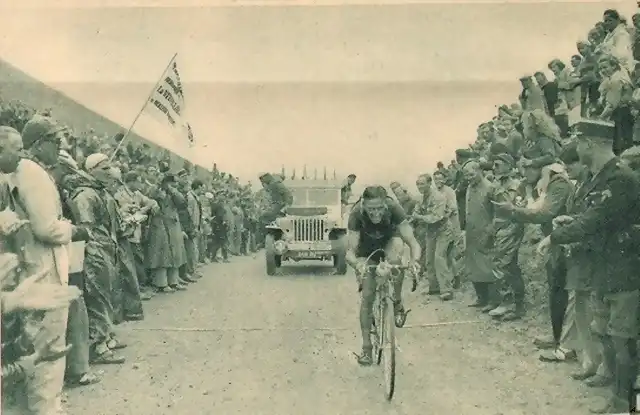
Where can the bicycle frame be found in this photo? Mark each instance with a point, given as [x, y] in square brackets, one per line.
[384, 342]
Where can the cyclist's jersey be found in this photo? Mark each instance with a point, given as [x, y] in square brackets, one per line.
[375, 236]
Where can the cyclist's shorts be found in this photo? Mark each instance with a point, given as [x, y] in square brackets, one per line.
[375, 258]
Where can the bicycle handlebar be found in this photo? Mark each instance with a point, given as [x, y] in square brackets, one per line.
[393, 268]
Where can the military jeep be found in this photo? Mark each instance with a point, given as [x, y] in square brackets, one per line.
[312, 228]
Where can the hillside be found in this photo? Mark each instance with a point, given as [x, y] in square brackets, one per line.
[19, 86]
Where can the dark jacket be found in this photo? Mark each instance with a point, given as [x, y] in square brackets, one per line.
[559, 190]
[605, 209]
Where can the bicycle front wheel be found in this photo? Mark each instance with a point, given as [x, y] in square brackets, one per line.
[389, 348]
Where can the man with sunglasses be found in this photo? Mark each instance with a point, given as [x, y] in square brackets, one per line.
[37, 198]
[378, 229]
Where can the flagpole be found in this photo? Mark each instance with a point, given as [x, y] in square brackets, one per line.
[126, 135]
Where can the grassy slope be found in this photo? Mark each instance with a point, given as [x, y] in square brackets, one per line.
[16, 85]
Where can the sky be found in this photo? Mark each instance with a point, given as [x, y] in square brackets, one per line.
[353, 87]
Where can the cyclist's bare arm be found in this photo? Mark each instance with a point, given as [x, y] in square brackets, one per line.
[353, 239]
[406, 234]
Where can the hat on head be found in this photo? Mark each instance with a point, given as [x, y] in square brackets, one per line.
[182, 173]
[569, 153]
[208, 195]
[94, 160]
[586, 128]
[465, 153]
[631, 152]
[632, 157]
[38, 127]
[168, 178]
[504, 157]
[499, 147]
[163, 167]
[131, 176]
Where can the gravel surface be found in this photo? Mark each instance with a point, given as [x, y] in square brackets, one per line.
[240, 342]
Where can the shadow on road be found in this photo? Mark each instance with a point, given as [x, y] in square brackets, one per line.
[302, 270]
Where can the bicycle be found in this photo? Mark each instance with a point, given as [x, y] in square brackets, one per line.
[384, 323]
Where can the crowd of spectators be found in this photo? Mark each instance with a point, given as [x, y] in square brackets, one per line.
[563, 159]
[87, 238]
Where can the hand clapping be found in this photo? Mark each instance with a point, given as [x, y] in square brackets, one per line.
[35, 295]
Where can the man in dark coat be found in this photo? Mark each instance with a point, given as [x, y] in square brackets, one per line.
[279, 196]
[219, 228]
[459, 183]
[189, 226]
[610, 207]
[553, 204]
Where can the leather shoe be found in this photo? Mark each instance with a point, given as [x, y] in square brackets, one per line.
[584, 374]
[488, 308]
[599, 381]
[478, 304]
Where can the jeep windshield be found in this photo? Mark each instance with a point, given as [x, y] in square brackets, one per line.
[315, 197]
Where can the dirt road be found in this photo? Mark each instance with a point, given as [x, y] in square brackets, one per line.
[239, 342]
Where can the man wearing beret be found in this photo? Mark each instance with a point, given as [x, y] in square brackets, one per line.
[610, 207]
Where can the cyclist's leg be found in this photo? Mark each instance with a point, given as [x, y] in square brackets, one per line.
[366, 310]
[394, 252]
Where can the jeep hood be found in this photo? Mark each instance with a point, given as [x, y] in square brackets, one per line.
[307, 210]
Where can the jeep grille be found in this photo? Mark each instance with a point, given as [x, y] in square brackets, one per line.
[308, 230]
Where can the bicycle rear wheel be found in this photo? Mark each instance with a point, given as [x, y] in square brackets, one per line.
[388, 344]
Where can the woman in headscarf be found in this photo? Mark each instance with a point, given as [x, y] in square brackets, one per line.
[616, 92]
[93, 208]
[541, 139]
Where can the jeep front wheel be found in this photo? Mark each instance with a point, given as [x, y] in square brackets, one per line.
[270, 255]
[340, 255]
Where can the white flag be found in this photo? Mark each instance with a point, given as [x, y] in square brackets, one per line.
[166, 103]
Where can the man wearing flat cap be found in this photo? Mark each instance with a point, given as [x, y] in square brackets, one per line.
[606, 207]
[190, 216]
[532, 97]
[547, 189]
[459, 184]
[219, 227]
[508, 237]
[34, 188]
[135, 209]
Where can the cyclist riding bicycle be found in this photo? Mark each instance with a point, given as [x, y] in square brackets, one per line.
[377, 222]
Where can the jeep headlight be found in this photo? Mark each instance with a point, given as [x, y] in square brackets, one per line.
[287, 228]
